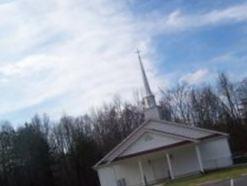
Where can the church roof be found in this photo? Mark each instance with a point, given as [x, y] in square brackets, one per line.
[163, 134]
[175, 133]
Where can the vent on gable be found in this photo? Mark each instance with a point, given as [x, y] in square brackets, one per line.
[148, 138]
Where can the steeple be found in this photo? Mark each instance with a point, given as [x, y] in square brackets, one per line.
[144, 77]
[151, 110]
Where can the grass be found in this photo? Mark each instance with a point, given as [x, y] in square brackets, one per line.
[212, 176]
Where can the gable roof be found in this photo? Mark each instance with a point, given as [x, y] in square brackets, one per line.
[179, 131]
[151, 140]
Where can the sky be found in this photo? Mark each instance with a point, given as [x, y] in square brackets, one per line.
[69, 56]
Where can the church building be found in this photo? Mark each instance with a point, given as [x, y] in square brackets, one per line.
[159, 150]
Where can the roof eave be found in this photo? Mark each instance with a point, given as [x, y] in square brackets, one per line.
[121, 143]
[190, 127]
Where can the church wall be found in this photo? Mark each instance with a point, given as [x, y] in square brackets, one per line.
[107, 176]
[129, 171]
[215, 153]
[184, 161]
[154, 168]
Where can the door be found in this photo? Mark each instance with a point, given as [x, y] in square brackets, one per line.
[160, 168]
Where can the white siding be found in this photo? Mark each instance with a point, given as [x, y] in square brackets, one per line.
[167, 128]
[184, 161]
[215, 153]
[154, 168]
[159, 168]
[107, 176]
[149, 141]
[128, 170]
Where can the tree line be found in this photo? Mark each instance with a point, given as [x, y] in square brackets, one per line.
[47, 153]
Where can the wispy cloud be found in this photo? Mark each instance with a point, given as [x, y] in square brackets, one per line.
[195, 77]
[179, 21]
[81, 53]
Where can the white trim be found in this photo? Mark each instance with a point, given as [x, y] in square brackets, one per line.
[183, 125]
[141, 172]
[199, 158]
[120, 144]
[133, 139]
[139, 131]
[175, 136]
[115, 174]
[156, 132]
[170, 166]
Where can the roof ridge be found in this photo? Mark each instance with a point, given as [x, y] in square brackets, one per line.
[131, 142]
[155, 131]
[172, 135]
[189, 127]
[121, 143]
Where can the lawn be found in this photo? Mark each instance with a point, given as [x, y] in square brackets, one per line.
[208, 177]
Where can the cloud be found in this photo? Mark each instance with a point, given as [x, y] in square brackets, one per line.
[78, 54]
[177, 21]
[195, 77]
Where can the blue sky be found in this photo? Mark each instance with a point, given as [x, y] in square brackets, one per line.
[67, 56]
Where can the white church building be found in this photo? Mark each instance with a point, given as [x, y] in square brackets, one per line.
[159, 150]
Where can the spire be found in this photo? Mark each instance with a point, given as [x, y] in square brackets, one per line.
[150, 107]
[144, 77]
